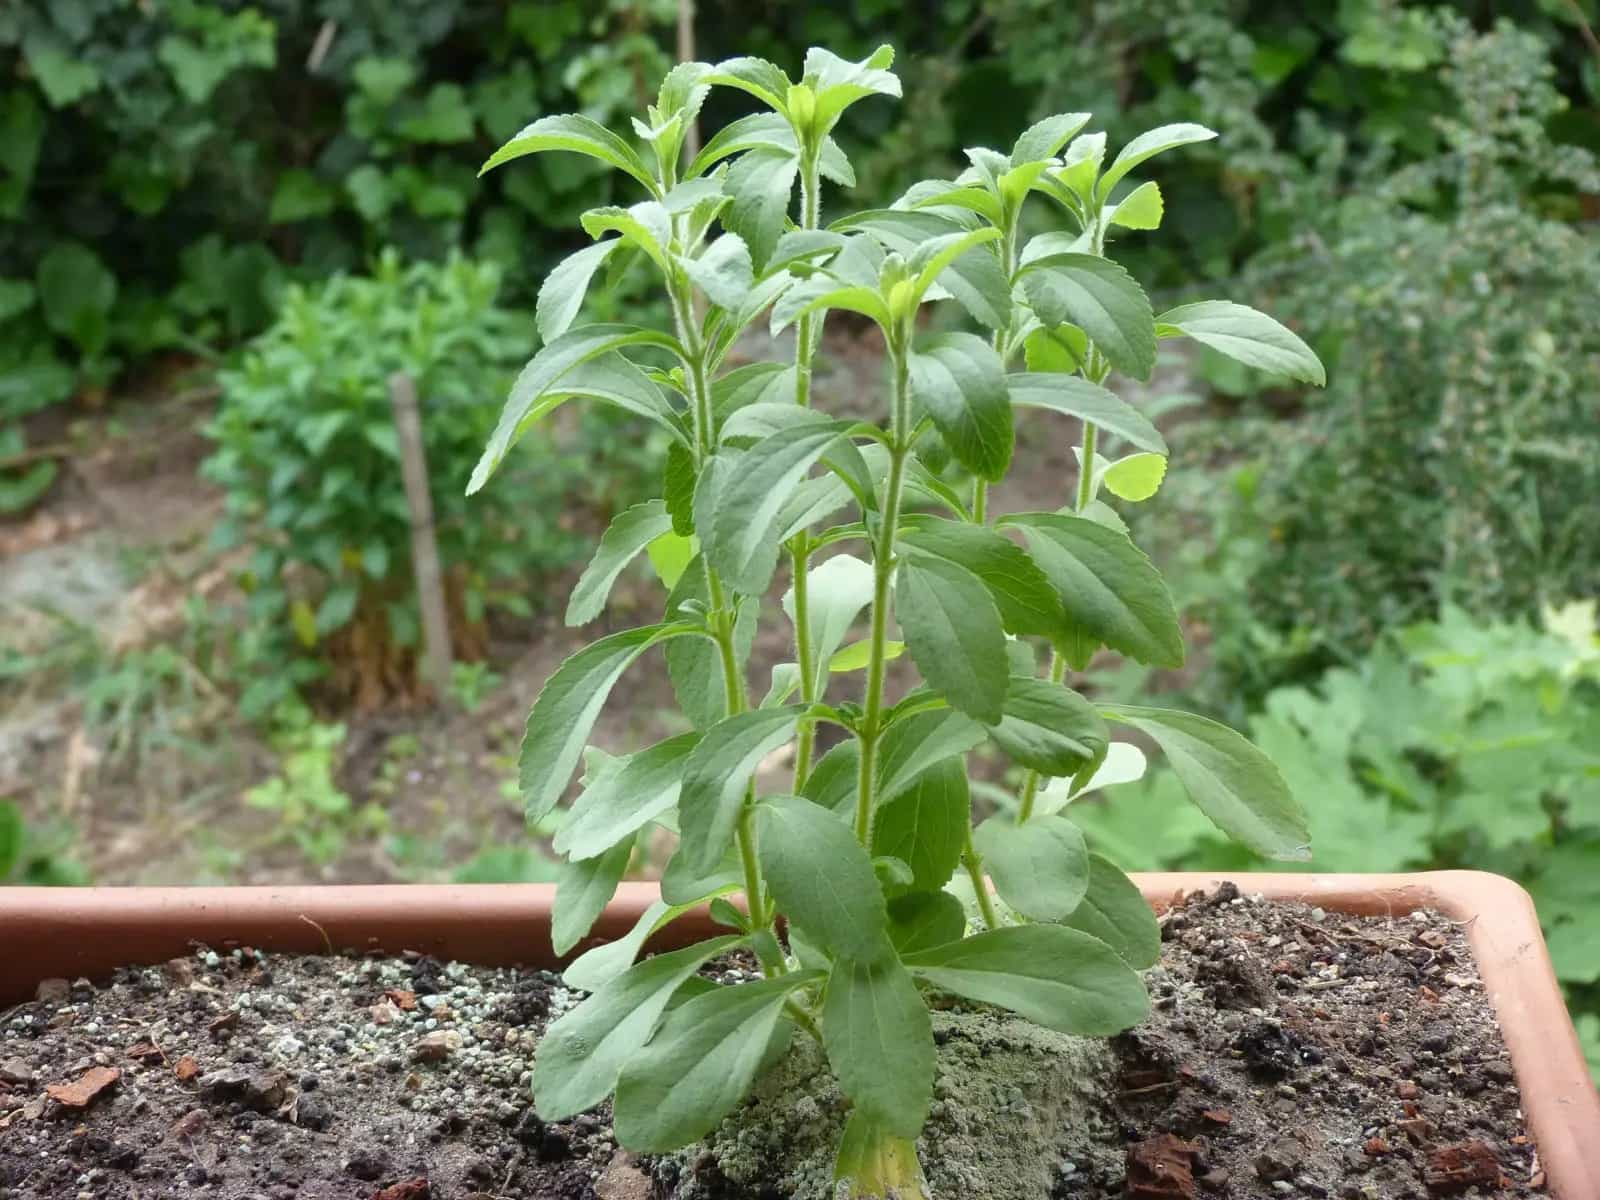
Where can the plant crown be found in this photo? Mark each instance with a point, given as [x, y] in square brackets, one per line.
[871, 858]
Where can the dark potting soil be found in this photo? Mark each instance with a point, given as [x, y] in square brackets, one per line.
[1290, 1052]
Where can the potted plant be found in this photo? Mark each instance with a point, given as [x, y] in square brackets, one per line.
[861, 897]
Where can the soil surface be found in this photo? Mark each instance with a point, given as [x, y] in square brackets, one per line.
[1290, 1052]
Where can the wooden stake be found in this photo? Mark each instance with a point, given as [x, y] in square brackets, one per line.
[437, 655]
[691, 141]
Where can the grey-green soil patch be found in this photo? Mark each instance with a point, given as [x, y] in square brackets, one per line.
[1014, 1105]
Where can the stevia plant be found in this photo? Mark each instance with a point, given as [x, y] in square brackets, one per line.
[870, 858]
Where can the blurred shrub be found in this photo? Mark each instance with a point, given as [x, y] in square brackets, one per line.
[35, 855]
[1453, 744]
[1452, 459]
[308, 454]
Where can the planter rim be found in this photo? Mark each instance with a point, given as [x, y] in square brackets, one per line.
[75, 932]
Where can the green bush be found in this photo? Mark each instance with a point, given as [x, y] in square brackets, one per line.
[1452, 460]
[1453, 744]
[308, 454]
[31, 855]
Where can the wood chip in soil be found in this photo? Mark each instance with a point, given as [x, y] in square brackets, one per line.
[1290, 1052]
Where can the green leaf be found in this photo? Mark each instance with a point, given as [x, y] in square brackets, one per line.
[761, 183]
[1139, 209]
[583, 1051]
[1044, 139]
[567, 708]
[873, 1162]
[1136, 477]
[583, 889]
[679, 477]
[76, 292]
[1097, 295]
[1077, 397]
[1062, 349]
[694, 665]
[1079, 166]
[646, 226]
[858, 656]
[1116, 912]
[954, 633]
[833, 779]
[1111, 592]
[552, 376]
[1049, 727]
[836, 592]
[299, 196]
[839, 83]
[723, 271]
[562, 292]
[925, 825]
[625, 798]
[764, 131]
[1040, 868]
[760, 78]
[975, 279]
[1056, 977]
[1228, 779]
[337, 607]
[821, 878]
[681, 885]
[716, 774]
[932, 258]
[670, 555]
[629, 532]
[1245, 335]
[922, 920]
[11, 835]
[742, 537]
[63, 77]
[1147, 145]
[913, 744]
[958, 378]
[580, 135]
[1026, 599]
[879, 1040]
[700, 1063]
[821, 292]
[444, 116]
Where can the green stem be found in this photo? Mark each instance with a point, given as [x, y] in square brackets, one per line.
[980, 501]
[882, 574]
[1086, 471]
[980, 886]
[722, 617]
[805, 656]
[810, 326]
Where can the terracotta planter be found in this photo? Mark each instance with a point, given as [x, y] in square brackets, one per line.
[47, 933]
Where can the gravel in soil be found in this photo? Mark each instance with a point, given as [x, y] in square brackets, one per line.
[1290, 1052]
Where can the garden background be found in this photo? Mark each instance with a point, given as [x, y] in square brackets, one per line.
[223, 226]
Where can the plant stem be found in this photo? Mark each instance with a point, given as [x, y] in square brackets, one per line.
[1086, 471]
[809, 325]
[804, 652]
[882, 574]
[722, 617]
[969, 856]
[799, 548]
[980, 501]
